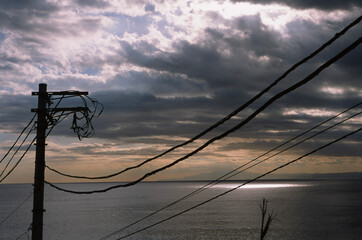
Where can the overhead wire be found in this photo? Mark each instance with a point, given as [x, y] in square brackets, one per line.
[235, 171]
[59, 119]
[17, 163]
[12, 212]
[294, 145]
[26, 233]
[16, 141]
[243, 184]
[86, 129]
[226, 118]
[335, 116]
[233, 129]
[30, 144]
[10, 160]
[17, 150]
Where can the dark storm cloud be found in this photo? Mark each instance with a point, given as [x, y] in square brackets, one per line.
[195, 84]
[229, 80]
[15, 15]
[305, 4]
[219, 84]
[205, 62]
[139, 114]
[32, 26]
[17, 114]
[192, 60]
[133, 114]
[259, 38]
[239, 71]
[156, 83]
[35, 6]
[351, 65]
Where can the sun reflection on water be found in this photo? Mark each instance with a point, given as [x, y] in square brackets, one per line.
[263, 185]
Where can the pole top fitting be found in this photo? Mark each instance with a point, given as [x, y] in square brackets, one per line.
[42, 87]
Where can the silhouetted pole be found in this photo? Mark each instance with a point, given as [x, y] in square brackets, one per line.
[41, 127]
[38, 203]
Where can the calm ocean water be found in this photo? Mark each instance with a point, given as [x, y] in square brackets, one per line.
[315, 209]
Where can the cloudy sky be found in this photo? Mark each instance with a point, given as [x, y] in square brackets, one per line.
[166, 70]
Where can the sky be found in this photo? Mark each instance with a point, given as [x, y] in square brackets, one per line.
[166, 70]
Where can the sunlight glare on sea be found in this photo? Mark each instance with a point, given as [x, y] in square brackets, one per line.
[262, 185]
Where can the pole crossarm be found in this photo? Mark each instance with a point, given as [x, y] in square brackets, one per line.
[71, 109]
[73, 93]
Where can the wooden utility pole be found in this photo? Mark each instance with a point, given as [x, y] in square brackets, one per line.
[41, 127]
[38, 203]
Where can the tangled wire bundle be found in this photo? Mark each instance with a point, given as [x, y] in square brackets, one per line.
[82, 119]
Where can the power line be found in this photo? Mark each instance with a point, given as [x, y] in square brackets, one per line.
[59, 119]
[228, 175]
[243, 184]
[226, 118]
[235, 171]
[18, 138]
[12, 157]
[86, 129]
[16, 151]
[26, 199]
[50, 116]
[348, 109]
[294, 145]
[233, 129]
[44, 121]
[26, 233]
[17, 163]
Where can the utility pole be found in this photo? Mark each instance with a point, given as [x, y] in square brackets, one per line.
[41, 126]
[38, 202]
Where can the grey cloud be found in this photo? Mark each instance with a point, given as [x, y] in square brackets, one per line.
[6, 67]
[203, 63]
[33, 36]
[99, 150]
[192, 60]
[132, 114]
[351, 66]
[17, 114]
[259, 39]
[34, 6]
[239, 72]
[44, 28]
[264, 143]
[138, 114]
[305, 4]
[212, 84]
[149, 7]
[159, 84]
[93, 3]
[230, 81]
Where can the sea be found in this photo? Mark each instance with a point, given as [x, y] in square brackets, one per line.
[302, 209]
